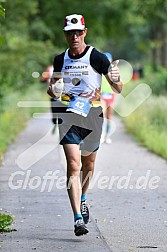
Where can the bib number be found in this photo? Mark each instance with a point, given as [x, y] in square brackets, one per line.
[80, 106]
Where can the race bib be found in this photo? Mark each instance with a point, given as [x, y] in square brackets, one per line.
[80, 106]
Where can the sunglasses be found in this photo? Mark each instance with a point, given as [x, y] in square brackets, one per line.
[76, 32]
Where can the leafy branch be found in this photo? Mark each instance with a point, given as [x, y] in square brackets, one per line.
[2, 11]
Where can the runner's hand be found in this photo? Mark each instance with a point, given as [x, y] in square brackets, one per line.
[55, 89]
[114, 72]
[50, 91]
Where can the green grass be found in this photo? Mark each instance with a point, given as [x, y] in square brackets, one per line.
[148, 124]
[5, 222]
[12, 118]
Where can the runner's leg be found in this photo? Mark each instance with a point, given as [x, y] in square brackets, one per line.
[88, 163]
[72, 153]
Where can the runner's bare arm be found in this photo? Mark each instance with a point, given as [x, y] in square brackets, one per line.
[113, 77]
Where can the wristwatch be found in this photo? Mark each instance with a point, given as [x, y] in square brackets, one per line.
[116, 81]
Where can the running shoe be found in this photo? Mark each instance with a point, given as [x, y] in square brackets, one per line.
[85, 211]
[80, 228]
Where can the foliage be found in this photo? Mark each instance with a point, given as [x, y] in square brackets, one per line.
[157, 80]
[28, 57]
[2, 11]
[21, 54]
[154, 12]
[5, 221]
[2, 15]
[10, 112]
[148, 123]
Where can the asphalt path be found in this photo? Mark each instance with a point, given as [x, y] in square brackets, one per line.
[127, 196]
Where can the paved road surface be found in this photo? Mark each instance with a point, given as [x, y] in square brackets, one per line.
[128, 196]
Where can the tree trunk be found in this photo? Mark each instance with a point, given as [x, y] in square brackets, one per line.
[163, 55]
[154, 50]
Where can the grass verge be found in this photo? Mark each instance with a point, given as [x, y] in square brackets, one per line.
[13, 119]
[148, 124]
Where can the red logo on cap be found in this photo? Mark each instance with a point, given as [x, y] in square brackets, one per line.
[65, 22]
[82, 21]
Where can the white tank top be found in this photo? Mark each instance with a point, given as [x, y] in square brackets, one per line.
[80, 79]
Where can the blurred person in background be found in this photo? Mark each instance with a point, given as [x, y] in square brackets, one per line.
[107, 102]
[46, 78]
[47, 74]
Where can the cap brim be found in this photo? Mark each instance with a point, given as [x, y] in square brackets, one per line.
[74, 27]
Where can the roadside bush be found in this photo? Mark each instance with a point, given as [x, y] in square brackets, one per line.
[13, 118]
[157, 80]
[148, 124]
[18, 64]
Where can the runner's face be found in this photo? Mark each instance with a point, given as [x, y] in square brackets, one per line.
[75, 38]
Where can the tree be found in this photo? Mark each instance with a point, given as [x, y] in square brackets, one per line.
[2, 14]
[154, 12]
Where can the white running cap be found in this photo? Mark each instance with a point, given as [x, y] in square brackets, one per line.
[74, 22]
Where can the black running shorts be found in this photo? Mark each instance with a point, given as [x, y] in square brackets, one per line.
[85, 131]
